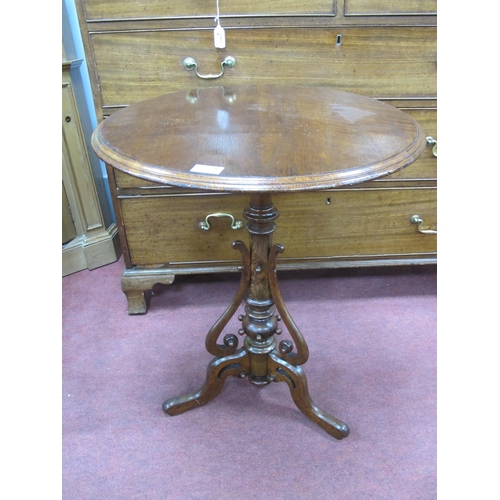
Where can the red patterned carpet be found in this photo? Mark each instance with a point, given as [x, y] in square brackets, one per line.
[372, 341]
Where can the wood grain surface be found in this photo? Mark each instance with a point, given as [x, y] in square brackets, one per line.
[263, 138]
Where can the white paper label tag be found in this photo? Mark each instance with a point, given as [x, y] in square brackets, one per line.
[219, 37]
[206, 169]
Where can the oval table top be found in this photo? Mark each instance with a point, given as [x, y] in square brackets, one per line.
[248, 138]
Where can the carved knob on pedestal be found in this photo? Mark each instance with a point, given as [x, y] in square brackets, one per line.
[286, 347]
[231, 340]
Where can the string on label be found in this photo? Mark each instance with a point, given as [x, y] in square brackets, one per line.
[219, 33]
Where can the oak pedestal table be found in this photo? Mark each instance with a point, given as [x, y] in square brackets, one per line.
[259, 140]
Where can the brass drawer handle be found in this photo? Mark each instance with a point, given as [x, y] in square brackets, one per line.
[432, 142]
[190, 64]
[205, 226]
[416, 219]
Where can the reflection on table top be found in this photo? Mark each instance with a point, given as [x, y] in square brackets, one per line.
[259, 138]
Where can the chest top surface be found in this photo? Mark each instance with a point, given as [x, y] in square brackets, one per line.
[259, 138]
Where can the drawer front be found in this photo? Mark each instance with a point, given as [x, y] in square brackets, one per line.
[132, 9]
[395, 62]
[389, 7]
[426, 166]
[356, 222]
[166, 229]
[311, 225]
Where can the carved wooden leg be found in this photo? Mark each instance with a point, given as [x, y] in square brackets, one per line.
[228, 361]
[230, 341]
[218, 370]
[295, 377]
[136, 301]
[136, 281]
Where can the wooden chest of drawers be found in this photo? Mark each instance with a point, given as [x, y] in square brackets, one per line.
[385, 49]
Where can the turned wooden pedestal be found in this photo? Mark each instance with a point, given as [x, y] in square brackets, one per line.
[260, 359]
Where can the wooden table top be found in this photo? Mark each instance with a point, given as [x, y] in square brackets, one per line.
[259, 139]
